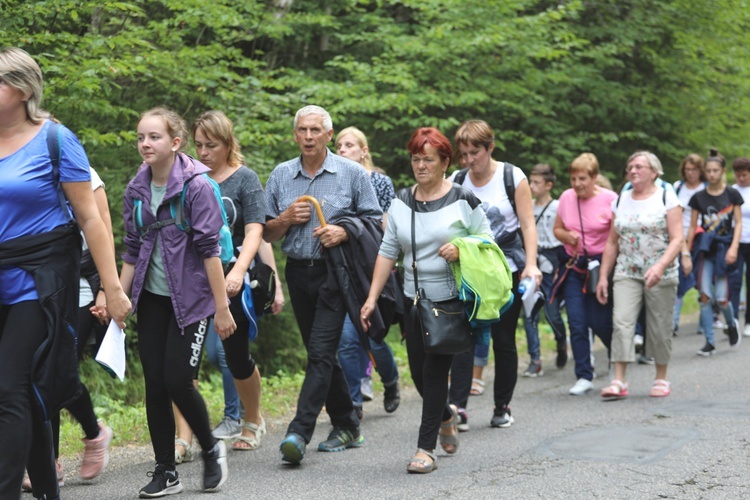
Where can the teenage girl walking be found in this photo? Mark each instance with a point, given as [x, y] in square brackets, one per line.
[717, 210]
[177, 284]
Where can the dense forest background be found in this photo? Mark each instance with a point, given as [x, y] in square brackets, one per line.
[553, 79]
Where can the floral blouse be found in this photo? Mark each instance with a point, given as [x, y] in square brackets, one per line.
[644, 236]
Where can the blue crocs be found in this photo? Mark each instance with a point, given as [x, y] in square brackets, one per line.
[293, 448]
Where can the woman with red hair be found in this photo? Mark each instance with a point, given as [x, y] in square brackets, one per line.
[442, 211]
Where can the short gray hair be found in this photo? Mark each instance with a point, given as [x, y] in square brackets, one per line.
[315, 110]
[652, 160]
[20, 71]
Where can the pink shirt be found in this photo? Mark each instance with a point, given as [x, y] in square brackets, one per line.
[596, 213]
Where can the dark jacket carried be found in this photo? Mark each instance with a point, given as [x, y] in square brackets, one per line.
[54, 261]
[350, 268]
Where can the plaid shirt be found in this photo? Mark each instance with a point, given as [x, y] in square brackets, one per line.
[341, 186]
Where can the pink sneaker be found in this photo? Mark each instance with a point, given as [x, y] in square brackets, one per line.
[96, 453]
[26, 485]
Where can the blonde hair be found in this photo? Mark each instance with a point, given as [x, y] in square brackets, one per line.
[362, 141]
[20, 71]
[175, 124]
[603, 182]
[216, 125]
[586, 162]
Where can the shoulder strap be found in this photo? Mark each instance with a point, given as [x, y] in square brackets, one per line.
[53, 146]
[460, 176]
[178, 209]
[510, 187]
[679, 187]
[414, 245]
[543, 210]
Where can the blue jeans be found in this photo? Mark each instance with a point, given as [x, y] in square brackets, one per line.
[735, 281]
[552, 312]
[585, 312]
[716, 288]
[354, 361]
[216, 356]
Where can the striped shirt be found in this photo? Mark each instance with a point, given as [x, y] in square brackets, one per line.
[341, 186]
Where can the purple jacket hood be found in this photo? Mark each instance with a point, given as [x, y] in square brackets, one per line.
[182, 253]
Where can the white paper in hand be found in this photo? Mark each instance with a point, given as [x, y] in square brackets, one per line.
[111, 353]
[531, 299]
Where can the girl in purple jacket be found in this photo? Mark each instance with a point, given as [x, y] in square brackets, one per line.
[172, 275]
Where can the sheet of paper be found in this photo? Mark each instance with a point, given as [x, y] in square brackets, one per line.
[111, 353]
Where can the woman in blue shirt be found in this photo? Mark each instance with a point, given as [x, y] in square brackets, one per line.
[38, 307]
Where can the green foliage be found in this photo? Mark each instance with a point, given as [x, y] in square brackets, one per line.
[553, 79]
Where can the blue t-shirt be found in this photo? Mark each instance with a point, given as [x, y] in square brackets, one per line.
[29, 201]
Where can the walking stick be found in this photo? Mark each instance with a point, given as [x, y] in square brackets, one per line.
[319, 212]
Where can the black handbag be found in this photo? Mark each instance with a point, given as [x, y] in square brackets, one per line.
[263, 285]
[444, 326]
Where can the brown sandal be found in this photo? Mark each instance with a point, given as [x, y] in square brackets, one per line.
[449, 442]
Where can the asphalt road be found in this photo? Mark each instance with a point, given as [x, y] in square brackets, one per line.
[692, 444]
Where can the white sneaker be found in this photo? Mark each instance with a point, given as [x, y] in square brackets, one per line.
[581, 388]
[746, 331]
[718, 324]
[638, 340]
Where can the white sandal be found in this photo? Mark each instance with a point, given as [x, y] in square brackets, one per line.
[181, 458]
[253, 443]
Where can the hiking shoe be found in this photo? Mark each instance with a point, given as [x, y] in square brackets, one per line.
[391, 397]
[215, 471]
[581, 387]
[163, 482]
[463, 420]
[502, 418]
[746, 331]
[562, 355]
[534, 370]
[340, 439]
[228, 428]
[706, 350]
[366, 389]
[293, 448]
[645, 360]
[96, 453]
[733, 331]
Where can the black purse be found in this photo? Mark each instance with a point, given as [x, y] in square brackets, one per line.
[444, 326]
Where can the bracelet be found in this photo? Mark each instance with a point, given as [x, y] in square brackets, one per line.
[101, 289]
[686, 254]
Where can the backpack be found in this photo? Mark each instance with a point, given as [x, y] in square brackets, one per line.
[177, 211]
[681, 184]
[510, 188]
[659, 182]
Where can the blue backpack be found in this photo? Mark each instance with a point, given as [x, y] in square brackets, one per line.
[177, 211]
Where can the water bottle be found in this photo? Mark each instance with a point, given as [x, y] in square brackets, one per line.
[524, 285]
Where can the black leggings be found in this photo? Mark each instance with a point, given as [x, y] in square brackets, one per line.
[506, 360]
[170, 357]
[430, 375]
[239, 361]
[22, 329]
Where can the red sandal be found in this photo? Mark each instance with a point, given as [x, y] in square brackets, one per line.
[616, 390]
